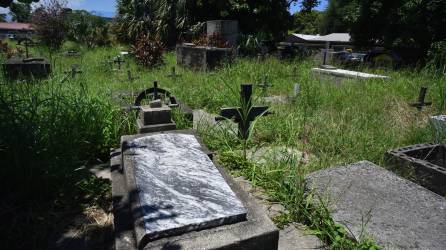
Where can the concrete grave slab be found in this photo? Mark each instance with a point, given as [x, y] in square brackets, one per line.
[348, 73]
[396, 213]
[203, 120]
[178, 199]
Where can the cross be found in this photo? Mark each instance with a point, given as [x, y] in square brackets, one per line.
[74, 70]
[264, 85]
[119, 61]
[246, 114]
[421, 100]
[173, 73]
[28, 42]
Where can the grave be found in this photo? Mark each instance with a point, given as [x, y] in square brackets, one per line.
[347, 73]
[202, 57]
[72, 53]
[371, 201]
[155, 117]
[246, 114]
[29, 67]
[424, 164]
[72, 72]
[168, 194]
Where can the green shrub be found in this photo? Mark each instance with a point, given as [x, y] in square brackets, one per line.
[436, 57]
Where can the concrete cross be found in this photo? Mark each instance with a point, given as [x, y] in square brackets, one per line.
[118, 60]
[246, 114]
[421, 100]
[27, 43]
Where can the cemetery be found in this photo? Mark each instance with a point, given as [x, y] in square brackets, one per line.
[185, 132]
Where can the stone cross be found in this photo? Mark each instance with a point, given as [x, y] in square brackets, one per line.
[118, 60]
[246, 114]
[27, 43]
[74, 70]
[421, 100]
[264, 85]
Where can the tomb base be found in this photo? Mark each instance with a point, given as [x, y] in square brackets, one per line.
[255, 231]
[155, 127]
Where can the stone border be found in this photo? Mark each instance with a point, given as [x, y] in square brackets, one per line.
[427, 174]
[258, 232]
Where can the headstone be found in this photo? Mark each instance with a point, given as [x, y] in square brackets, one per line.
[227, 29]
[168, 194]
[438, 127]
[119, 61]
[246, 114]
[371, 201]
[29, 67]
[424, 164]
[155, 119]
[421, 100]
[203, 58]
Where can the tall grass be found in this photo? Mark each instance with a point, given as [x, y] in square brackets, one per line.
[51, 132]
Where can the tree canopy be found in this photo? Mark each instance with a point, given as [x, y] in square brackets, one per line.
[406, 23]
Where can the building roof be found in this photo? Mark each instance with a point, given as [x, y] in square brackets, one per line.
[333, 37]
[16, 26]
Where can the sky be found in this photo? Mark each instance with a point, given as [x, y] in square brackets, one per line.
[107, 7]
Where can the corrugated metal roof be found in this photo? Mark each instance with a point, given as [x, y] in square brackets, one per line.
[16, 26]
[333, 37]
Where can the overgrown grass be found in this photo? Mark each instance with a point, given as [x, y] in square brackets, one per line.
[52, 132]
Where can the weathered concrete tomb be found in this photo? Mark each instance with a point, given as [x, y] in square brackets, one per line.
[373, 202]
[227, 29]
[29, 67]
[202, 57]
[168, 194]
[155, 117]
[424, 164]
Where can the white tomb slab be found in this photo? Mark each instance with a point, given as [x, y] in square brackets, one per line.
[179, 189]
[348, 73]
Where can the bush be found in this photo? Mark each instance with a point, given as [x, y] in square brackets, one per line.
[436, 57]
[148, 52]
[50, 23]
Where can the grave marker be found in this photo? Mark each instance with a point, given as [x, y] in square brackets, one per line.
[374, 202]
[421, 100]
[27, 43]
[168, 194]
[246, 114]
[155, 117]
[118, 60]
[72, 72]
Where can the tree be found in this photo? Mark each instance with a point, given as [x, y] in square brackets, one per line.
[20, 12]
[414, 24]
[7, 3]
[309, 5]
[50, 24]
[167, 18]
[2, 17]
[307, 22]
[88, 29]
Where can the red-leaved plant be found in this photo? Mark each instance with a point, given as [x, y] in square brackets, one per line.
[148, 52]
